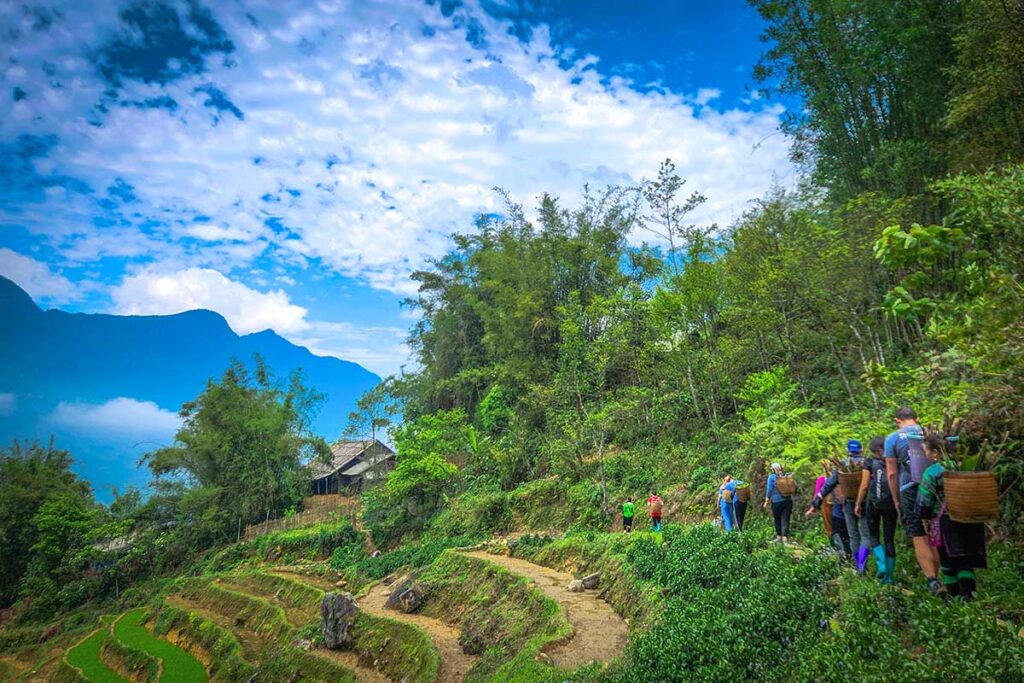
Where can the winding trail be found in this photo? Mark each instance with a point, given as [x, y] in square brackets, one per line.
[599, 634]
[455, 663]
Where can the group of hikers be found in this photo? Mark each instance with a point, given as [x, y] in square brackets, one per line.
[900, 482]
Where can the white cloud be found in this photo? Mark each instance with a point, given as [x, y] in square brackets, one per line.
[374, 140]
[36, 278]
[246, 310]
[381, 349]
[119, 417]
[7, 403]
[705, 95]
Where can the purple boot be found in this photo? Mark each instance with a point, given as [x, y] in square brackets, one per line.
[862, 558]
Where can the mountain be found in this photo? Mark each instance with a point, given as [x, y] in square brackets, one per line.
[108, 387]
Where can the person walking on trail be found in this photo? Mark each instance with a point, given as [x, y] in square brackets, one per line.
[905, 463]
[727, 503]
[628, 512]
[655, 504]
[856, 525]
[961, 546]
[874, 501]
[831, 511]
[779, 492]
[739, 505]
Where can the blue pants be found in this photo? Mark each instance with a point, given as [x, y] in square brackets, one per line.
[728, 515]
[655, 523]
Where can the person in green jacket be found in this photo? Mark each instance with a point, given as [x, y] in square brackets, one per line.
[628, 512]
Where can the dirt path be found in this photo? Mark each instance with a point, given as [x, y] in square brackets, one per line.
[455, 663]
[599, 633]
[350, 660]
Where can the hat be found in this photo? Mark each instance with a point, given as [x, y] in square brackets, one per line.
[776, 466]
[853, 446]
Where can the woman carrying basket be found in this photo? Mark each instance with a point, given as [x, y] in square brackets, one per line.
[961, 545]
[779, 493]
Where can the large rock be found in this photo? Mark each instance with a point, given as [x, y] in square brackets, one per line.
[398, 599]
[576, 586]
[592, 581]
[338, 615]
[412, 598]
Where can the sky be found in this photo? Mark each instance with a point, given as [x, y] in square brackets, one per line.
[290, 164]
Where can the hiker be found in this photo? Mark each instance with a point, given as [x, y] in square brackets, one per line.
[655, 504]
[874, 501]
[961, 546]
[781, 500]
[628, 511]
[739, 505]
[856, 526]
[905, 463]
[831, 511]
[727, 501]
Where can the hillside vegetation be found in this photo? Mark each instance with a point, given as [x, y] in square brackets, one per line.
[563, 368]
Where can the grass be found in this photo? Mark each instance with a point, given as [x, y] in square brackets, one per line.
[86, 658]
[220, 645]
[178, 666]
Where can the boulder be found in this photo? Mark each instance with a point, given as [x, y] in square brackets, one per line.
[576, 586]
[398, 588]
[591, 581]
[411, 599]
[338, 615]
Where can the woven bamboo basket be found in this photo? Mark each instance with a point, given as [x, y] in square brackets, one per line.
[743, 493]
[785, 485]
[971, 496]
[849, 482]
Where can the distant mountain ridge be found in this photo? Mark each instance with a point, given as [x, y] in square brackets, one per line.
[52, 357]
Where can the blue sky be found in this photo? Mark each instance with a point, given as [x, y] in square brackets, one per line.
[290, 164]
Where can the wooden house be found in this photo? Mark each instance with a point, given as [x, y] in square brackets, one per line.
[353, 466]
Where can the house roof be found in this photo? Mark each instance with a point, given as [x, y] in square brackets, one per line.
[342, 455]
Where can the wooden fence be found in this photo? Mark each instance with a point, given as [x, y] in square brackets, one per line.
[318, 510]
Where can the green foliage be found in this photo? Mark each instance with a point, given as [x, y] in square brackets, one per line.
[30, 476]
[242, 446]
[225, 653]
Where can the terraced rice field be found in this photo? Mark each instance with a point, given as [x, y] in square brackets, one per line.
[178, 666]
[86, 658]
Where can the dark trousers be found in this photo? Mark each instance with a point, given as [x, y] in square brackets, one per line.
[781, 512]
[883, 521]
[741, 512]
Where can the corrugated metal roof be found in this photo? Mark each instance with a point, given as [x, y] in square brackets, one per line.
[342, 453]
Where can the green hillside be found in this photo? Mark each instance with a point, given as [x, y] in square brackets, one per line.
[563, 369]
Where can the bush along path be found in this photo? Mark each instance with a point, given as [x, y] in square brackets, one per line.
[599, 634]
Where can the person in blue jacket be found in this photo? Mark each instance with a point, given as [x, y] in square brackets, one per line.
[727, 503]
[782, 505]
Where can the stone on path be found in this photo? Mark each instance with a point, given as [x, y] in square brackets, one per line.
[338, 615]
[591, 581]
[576, 586]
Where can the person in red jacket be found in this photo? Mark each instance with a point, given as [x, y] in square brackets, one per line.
[655, 504]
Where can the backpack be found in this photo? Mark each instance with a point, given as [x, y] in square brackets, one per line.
[727, 495]
[879, 494]
[656, 505]
[785, 484]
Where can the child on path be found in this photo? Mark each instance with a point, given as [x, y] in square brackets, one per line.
[628, 511]
[655, 504]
